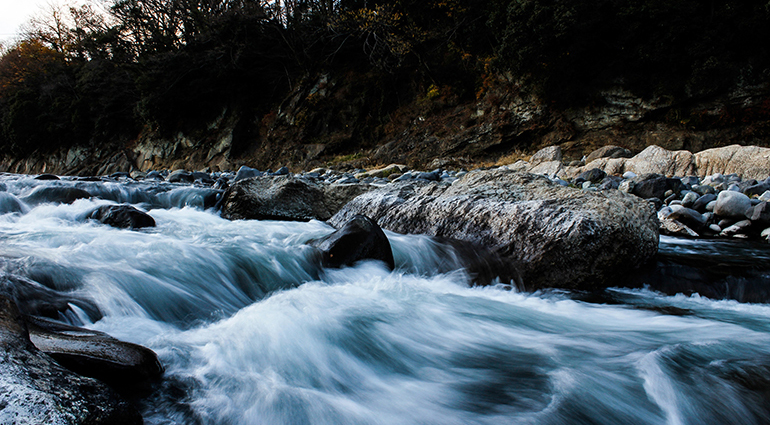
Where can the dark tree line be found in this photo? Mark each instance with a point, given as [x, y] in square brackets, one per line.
[84, 77]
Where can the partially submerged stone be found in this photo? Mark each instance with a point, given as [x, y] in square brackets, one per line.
[555, 236]
[122, 216]
[358, 239]
[91, 353]
[34, 389]
[286, 198]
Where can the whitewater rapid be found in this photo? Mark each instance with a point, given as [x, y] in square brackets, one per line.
[251, 330]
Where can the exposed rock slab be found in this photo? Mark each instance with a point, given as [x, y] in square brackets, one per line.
[286, 198]
[556, 236]
[746, 161]
[34, 389]
[749, 162]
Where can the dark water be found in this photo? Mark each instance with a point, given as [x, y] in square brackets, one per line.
[251, 332]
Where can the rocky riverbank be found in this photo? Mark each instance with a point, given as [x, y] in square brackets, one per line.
[535, 224]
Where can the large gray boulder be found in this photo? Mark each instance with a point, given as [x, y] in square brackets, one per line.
[286, 198]
[732, 204]
[34, 389]
[556, 236]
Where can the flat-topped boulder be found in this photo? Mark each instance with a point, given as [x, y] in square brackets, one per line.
[287, 197]
[34, 389]
[556, 236]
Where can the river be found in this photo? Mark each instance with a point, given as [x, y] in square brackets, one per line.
[251, 331]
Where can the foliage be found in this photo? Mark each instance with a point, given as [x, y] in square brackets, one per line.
[79, 76]
[573, 49]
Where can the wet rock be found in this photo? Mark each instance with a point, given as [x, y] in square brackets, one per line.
[286, 198]
[221, 184]
[33, 298]
[732, 204]
[55, 194]
[555, 236]
[34, 389]
[125, 366]
[120, 175]
[199, 176]
[358, 239]
[154, 175]
[122, 217]
[180, 176]
[607, 183]
[10, 203]
[47, 177]
[676, 228]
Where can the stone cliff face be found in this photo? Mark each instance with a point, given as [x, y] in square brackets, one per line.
[349, 122]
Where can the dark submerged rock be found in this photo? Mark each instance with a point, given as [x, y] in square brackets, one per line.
[9, 203]
[37, 390]
[555, 236]
[33, 298]
[47, 177]
[122, 216]
[358, 239]
[124, 366]
[484, 266]
[55, 194]
[180, 176]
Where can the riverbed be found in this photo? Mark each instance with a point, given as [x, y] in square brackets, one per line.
[251, 330]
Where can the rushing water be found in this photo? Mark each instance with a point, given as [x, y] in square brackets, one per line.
[251, 331]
